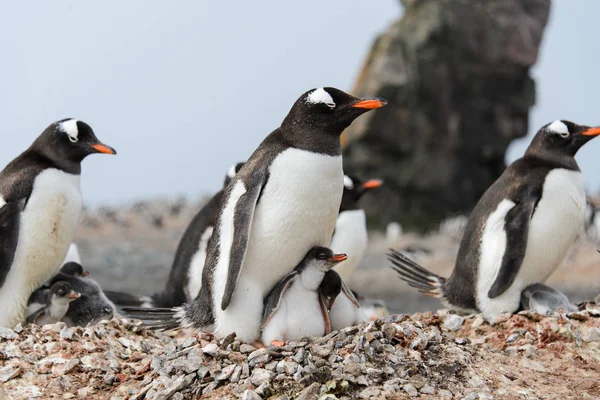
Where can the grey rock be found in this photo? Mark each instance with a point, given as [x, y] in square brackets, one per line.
[260, 356]
[453, 322]
[260, 376]
[226, 372]
[410, 389]
[309, 393]
[590, 334]
[235, 375]
[250, 395]
[369, 392]
[8, 334]
[246, 348]
[7, 373]
[211, 349]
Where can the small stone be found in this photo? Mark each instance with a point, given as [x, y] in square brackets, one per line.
[536, 366]
[427, 389]
[590, 334]
[362, 381]
[8, 334]
[246, 348]
[260, 376]
[235, 376]
[453, 322]
[369, 392]
[478, 321]
[310, 393]
[211, 349]
[225, 373]
[321, 351]
[352, 368]
[579, 316]
[7, 373]
[57, 327]
[264, 390]
[18, 328]
[71, 365]
[287, 367]
[66, 333]
[250, 395]
[472, 396]
[411, 390]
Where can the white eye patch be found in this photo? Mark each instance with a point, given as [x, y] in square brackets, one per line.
[348, 184]
[320, 95]
[559, 128]
[70, 128]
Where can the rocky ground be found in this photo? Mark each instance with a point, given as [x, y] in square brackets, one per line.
[426, 355]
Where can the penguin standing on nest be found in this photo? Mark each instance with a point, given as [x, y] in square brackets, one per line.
[520, 230]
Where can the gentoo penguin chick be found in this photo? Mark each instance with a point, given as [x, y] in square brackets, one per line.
[350, 234]
[345, 310]
[185, 278]
[543, 299]
[519, 231]
[91, 307]
[282, 202]
[58, 298]
[295, 308]
[40, 201]
[74, 269]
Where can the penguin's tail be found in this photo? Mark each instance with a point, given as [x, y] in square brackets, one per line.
[416, 276]
[155, 318]
[129, 300]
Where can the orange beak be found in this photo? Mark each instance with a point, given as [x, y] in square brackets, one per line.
[372, 183]
[74, 295]
[370, 103]
[337, 258]
[100, 148]
[85, 273]
[591, 132]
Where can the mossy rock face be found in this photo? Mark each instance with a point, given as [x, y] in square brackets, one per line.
[456, 76]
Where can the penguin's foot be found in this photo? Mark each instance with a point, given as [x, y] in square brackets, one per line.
[259, 345]
[278, 343]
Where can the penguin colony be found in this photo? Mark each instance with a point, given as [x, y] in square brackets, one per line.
[268, 256]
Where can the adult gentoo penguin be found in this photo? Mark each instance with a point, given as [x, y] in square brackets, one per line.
[185, 278]
[40, 205]
[295, 307]
[283, 202]
[519, 231]
[350, 236]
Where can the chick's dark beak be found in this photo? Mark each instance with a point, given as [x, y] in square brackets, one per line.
[104, 149]
[369, 104]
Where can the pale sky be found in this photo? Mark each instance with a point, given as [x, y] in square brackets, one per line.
[184, 89]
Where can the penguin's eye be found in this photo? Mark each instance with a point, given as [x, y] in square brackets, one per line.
[72, 139]
[321, 256]
[61, 292]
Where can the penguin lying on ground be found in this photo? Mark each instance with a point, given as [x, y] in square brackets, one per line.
[40, 206]
[543, 299]
[295, 307]
[57, 301]
[283, 201]
[185, 278]
[519, 231]
[91, 307]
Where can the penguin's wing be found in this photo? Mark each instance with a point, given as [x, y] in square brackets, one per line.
[10, 216]
[249, 192]
[271, 303]
[325, 311]
[516, 227]
[350, 295]
[32, 318]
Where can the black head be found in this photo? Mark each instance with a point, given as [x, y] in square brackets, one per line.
[354, 189]
[560, 139]
[323, 257]
[234, 169]
[74, 269]
[65, 290]
[331, 285]
[67, 142]
[324, 111]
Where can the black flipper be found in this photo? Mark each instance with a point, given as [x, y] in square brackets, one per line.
[155, 318]
[10, 216]
[350, 295]
[516, 226]
[271, 303]
[415, 275]
[242, 223]
[325, 307]
[32, 318]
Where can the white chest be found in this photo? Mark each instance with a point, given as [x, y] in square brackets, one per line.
[48, 224]
[197, 265]
[350, 238]
[297, 211]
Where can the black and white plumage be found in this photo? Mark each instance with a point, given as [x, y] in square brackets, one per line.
[283, 202]
[519, 231]
[185, 278]
[351, 236]
[40, 205]
[544, 299]
[297, 307]
[56, 304]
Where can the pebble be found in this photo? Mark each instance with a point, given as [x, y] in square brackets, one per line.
[369, 392]
[7, 373]
[411, 390]
[246, 348]
[211, 349]
[250, 395]
[590, 334]
[478, 321]
[260, 376]
[8, 334]
[453, 322]
[309, 393]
